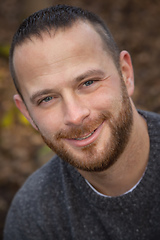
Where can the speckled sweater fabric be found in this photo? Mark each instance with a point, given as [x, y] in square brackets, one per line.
[57, 203]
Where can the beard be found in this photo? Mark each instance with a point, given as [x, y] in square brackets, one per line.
[90, 158]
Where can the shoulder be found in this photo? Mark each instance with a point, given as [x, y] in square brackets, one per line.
[153, 120]
[153, 123]
[151, 116]
[42, 182]
[39, 200]
[48, 186]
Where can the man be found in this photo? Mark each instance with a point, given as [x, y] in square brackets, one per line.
[75, 88]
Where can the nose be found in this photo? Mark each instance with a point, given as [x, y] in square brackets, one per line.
[75, 111]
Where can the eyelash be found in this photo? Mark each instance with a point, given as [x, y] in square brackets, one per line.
[90, 82]
[44, 100]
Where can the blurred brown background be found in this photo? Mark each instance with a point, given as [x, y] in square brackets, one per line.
[135, 26]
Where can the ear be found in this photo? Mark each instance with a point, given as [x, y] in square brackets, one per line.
[22, 107]
[127, 71]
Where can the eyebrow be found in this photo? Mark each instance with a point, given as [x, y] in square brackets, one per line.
[90, 73]
[87, 74]
[39, 93]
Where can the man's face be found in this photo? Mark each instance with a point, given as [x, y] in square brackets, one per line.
[75, 96]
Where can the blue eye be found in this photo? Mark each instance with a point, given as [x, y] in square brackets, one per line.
[88, 83]
[47, 99]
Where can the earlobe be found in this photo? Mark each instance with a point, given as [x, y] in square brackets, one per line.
[127, 71]
[23, 109]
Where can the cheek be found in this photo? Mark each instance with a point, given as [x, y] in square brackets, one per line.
[105, 99]
[47, 121]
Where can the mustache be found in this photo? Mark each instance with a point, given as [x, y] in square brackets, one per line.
[88, 127]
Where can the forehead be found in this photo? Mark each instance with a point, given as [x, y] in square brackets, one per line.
[76, 35]
[57, 55]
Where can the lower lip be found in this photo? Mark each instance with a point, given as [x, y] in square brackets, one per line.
[87, 141]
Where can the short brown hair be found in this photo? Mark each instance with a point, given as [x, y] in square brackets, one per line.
[56, 17]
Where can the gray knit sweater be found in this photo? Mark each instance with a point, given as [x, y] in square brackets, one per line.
[57, 203]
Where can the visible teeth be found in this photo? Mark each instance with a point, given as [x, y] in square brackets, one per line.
[84, 137]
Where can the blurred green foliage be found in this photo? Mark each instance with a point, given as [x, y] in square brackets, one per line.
[4, 51]
[10, 117]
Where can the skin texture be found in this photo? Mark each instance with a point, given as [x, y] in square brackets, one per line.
[75, 97]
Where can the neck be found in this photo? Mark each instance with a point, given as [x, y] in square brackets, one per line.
[130, 166]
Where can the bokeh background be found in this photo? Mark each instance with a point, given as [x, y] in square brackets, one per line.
[135, 26]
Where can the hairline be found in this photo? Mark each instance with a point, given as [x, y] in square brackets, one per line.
[99, 29]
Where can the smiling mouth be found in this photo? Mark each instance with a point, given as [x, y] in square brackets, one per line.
[82, 138]
[86, 139]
